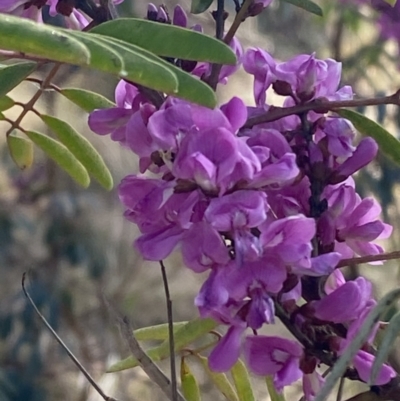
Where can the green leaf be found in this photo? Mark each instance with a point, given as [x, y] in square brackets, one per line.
[158, 332]
[199, 6]
[389, 337]
[62, 156]
[307, 5]
[387, 143]
[131, 362]
[2, 116]
[241, 379]
[21, 150]
[391, 2]
[168, 40]
[273, 394]
[345, 359]
[86, 100]
[186, 334]
[220, 380]
[49, 42]
[82, 149]
[138, 66]
[14, 74]
[190, 332]
[6, 102]
[190, 387]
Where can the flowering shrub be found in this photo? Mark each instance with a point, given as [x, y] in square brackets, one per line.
[261, 198]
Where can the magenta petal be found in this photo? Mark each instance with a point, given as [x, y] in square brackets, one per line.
[227, 351]
[236, 112]
[363, 362]
[158, 245]
[104, 121]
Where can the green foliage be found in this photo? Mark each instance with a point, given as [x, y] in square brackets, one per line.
[6, 103]
[48, 42]
[190, 387]
[199, 6]
[389, 337]
[307, 5]
[274, 395]
[388, 144]
[21, 150]
[62, 156]
[158, 332]
[168, 40]
[220, 380]
[184, 335]
[82, 149]
[364, 332]
[241, 379]
[12, 75]
[391, 2]
[85, 99]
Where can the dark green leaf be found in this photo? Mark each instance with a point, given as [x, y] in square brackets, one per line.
[62, 156]
[199, 6]
[6, 102]
[388, 144]
[189, 87]
[23, 35]
[307, 5]
[82, 149]
[241, 379]
[86, 100]
[387, 343]
[220, 380]
[136, 67]
[14, 74]
[190, 387]
[21, 150]
[168, 40]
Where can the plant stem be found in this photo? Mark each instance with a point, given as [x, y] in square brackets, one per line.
[29, 106]
[369, 258]
[319, 106]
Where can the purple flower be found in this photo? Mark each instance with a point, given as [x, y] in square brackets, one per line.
[274, 356]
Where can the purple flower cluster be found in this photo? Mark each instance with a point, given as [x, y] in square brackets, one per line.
[268, 211]
[32, 9]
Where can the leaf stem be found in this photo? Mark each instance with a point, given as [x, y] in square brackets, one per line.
[369, 258]
[29, 106]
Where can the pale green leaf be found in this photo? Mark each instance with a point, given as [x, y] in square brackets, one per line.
[26, 36]
[241, 380]
[82, 149]
[21, 150]
[391, 2]
[62, 156]
[87, 100]
[387, 143]
[220, 380]
[345, 359]
[389, 337]
[274, 395]
[199, 6]
[158, 332]
[14, 74]
[190, 387]
[306, 5]
[168, 40]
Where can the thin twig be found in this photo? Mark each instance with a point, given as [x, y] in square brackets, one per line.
[319, 106]
[89, 378]
[369, 258]
[340, 389]
[149, 367]
[28, 106]
[170, 332]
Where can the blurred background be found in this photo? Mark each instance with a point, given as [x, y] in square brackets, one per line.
[77, 246]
